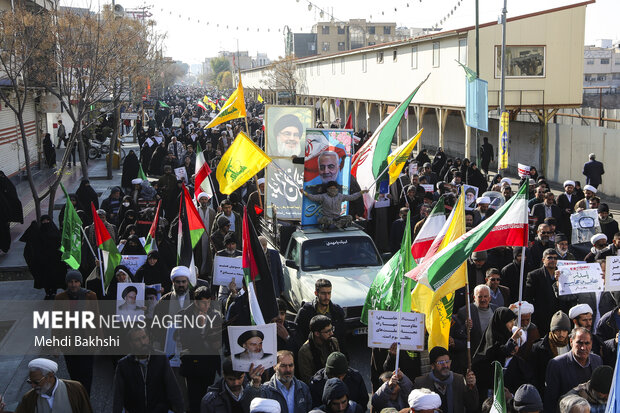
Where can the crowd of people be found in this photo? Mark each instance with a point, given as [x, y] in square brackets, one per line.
[558, 357]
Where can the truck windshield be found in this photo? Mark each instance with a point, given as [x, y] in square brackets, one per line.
[330, 253]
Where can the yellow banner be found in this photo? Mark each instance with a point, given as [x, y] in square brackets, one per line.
[438, 305]
[401, 154]
[239, 163]
[503, 141]
[234, 108]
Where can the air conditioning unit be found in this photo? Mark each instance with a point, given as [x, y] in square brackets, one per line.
[119, 11]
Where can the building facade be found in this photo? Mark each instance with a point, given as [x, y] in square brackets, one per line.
[601, 66]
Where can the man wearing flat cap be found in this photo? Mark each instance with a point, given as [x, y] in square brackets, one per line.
[252, 342]
[51, 394]
[80, 367]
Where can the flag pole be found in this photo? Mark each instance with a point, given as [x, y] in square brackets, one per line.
[213, 189]
[88, 242]
[102, 273]
[467, 326]
[400, 310]
[525, 212]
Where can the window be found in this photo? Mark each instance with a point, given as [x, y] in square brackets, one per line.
[601, 78]
[342, 65]
[435, 54]
[604, 61]
[617, 62]
[341, 46]
[615, 76]
[590, 61]
[364, 63]
[394, 55]
[380, 57]
[325, 47]
[371, 29]
[340, 30]
[371, 43]
[387, 30]
[521, 61]
[414, 57]
[588, 78]
[329, 253]
[463, 51]
[325, 30]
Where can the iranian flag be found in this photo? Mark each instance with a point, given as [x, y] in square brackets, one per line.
[201, 105]
[371, 160]
[429, 231]
[499, 395]
[111, 256]
[150, 243]
[201, 181]
[507, 227]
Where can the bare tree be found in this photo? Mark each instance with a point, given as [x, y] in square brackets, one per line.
[25, 43]
[282, 76]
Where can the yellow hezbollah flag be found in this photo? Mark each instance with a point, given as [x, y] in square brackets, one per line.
[401, 154]
[240, 163]
[233, 108]
[260, 99]
[438, 305]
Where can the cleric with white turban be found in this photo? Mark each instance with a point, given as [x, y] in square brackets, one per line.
[578, 310]
[45, 365]
[423, 399]
[260, 405]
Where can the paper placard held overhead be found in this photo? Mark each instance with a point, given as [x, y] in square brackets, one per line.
[133, 262]
[523, 170]
[225, 269]
[383, 330]
[580, 278]
[181, 174]
[612, 273]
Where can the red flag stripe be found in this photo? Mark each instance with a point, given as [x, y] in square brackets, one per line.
[101, 232]
[153, 228]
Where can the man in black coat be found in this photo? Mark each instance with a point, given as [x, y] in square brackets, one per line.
[10, 210]
[322, 304]
[338, 366]
[541, 243]
[566, 202]
[398, 229]
[144, 381]
[486, 155]
[593, 170]
[539, 291]
[547, 208]
[511, 274]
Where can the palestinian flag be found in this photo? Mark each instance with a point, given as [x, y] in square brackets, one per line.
[257, 276]
[371, 159]
[507, 227]
[150, 242]
[202, 181]
[190, 229]
[429, 231]
[111, 256]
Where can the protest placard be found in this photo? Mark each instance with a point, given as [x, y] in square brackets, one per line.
[580, 278]
[225, 269]
[612, 273]
[413, 169]
[568, 262]
[585, 224]
[133, 262]
[253, 345]
[181, 174]
[427, 187]
[523, 170]
[383, 330]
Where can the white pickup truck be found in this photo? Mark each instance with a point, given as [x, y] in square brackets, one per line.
[348, 259]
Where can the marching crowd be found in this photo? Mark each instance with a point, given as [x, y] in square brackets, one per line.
[561, 358]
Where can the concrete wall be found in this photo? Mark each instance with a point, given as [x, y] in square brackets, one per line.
[569, 146]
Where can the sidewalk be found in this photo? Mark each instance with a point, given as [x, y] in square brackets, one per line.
[12, 264]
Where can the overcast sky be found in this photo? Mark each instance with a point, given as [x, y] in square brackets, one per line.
[191, 39]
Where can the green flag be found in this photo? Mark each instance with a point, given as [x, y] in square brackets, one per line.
[499, 397]
[471, 74]
[142, 175]
[163, 104]
[71, 241]
[384, 293]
